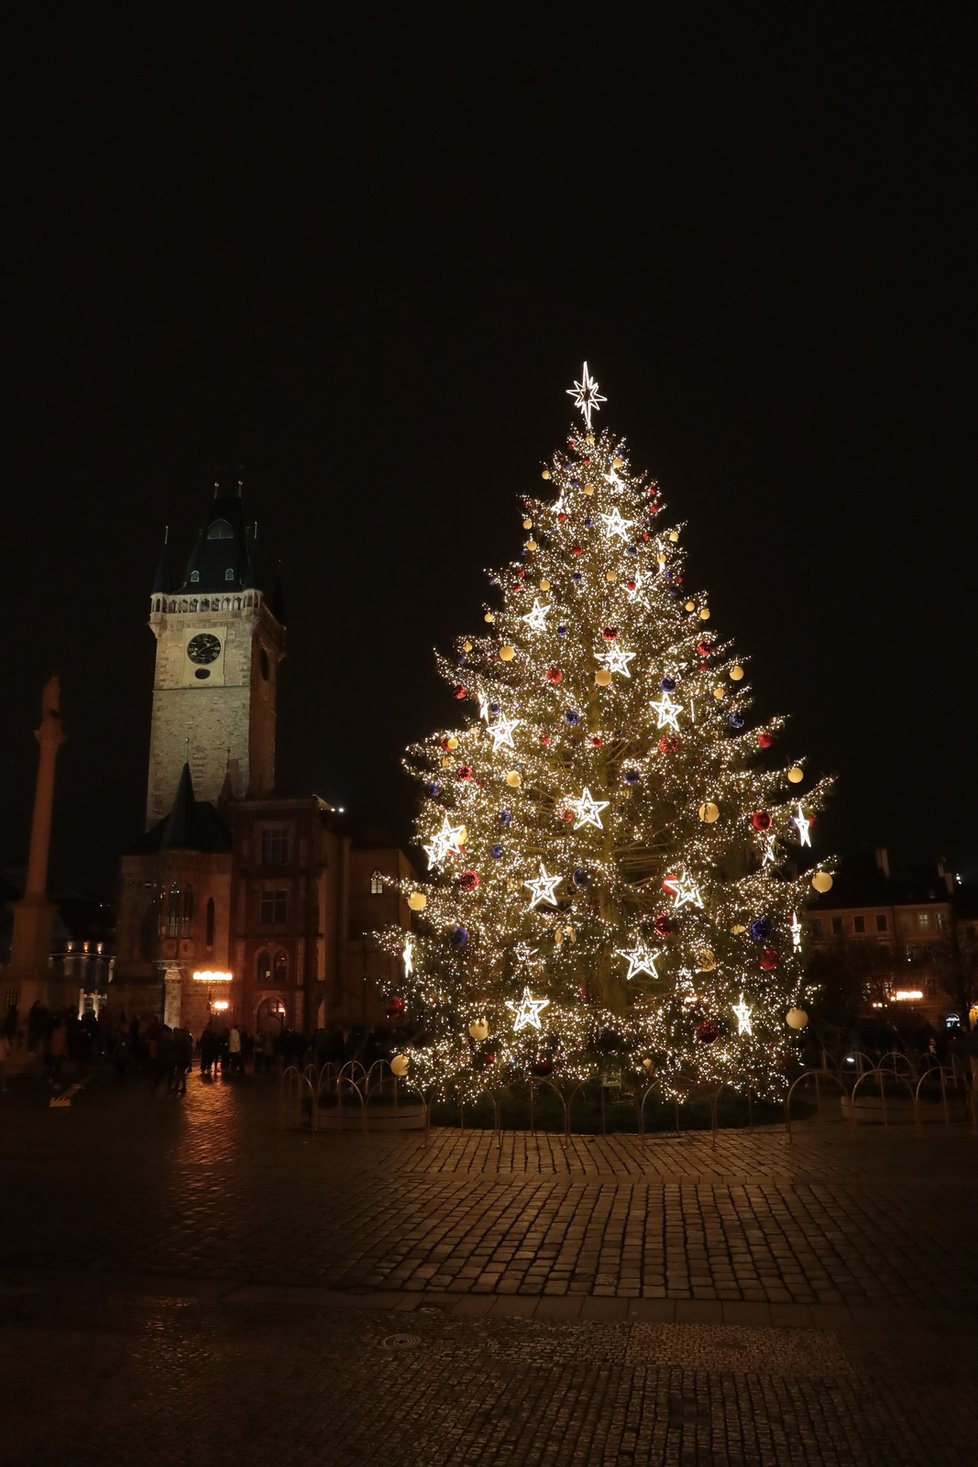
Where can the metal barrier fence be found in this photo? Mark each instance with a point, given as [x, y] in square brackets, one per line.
[887, 1090]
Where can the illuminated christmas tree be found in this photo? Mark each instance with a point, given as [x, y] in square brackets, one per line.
[613, 847]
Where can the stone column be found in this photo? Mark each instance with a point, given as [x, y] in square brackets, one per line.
[30, 948]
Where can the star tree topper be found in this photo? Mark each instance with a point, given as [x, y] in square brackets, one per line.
[526, 1010]
[586, 396]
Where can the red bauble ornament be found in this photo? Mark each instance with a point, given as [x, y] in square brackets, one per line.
[395, 1003]
[577, 549]
[554, 674]
[706, 1032]
[463, 772]
[703, 648]
[597, 741]
[668, 743]
[663, 925]
[768, 958]
[610, 633]
[760, 820]
[646, 536]
[630, 585]
[459, 690]
[469, 880]
[520, 574]
[567, 815]
[765, 739]
[545, 739]
[562, 517]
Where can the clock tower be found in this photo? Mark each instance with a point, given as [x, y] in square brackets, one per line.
[218, 648]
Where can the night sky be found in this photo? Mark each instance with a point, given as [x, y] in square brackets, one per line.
[363, 252]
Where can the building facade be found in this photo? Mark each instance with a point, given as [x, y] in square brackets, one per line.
[237, 902]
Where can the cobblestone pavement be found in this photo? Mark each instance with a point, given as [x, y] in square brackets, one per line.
[191, 1283]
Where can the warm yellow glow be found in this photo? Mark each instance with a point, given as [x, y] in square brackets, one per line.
[907, 995]
[219, 1005]
[207, 975]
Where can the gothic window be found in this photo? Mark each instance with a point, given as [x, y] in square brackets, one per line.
[209, 923]
[195, 576]
[187, 912]
[263, 966]
[274, 909]
[229, 573]
[281, 967]
[193, 603]
[173, 906]
[150, 926]
[220, 530]
[376, 883]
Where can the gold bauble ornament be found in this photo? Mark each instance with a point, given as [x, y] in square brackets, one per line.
[446, 763]
[796, 775]
[507, 653]
[531, 545]
[545, 474]
[674, 536]
[690, 605]
[616, 463]
[489, 617]
[738, 928]
[719, 693]
[451, 742]
[709, 812]
[705, 960]
[417, 901]
[399, 1065]
[662, 559]
[736, 673]
[611, 575]
[479, 1029]
[588, 489]
[822, 881]
[514, 779]
[559, 937]
[466, 646]
[603, 677]
[528, 524]
[796, 1018]
[704, 613]
[589, 440]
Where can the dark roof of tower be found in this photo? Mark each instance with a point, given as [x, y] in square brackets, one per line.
[161, 584]
[192, 825]
[223, 558]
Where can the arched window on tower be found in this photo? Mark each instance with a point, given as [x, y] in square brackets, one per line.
[209, 922]
[263, 966]
[220, 530]
[376, 883]
[174, 904]
[195, 576]
[187, 912]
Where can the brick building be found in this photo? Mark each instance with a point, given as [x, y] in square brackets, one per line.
[269, 901]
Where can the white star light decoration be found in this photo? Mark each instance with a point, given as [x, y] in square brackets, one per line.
[668, 712]
[613, 479]
[408, 958]
[587, 811]
[795, 932]
[641, 959]
[769, 852]
[616, 659]
[615, 525]
[743, 1017]
[536, 619]
[445, 842]
[803, 827]
[501, 733]
[483, 707]
[586, 396]
[526, 1010]
[543, 888]
[687, 893]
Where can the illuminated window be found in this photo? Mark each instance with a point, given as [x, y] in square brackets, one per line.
[195, 576]
[263, 966]
[281, 969]
[376, 883]
[274, 908]
[229, 574]
[923, 921]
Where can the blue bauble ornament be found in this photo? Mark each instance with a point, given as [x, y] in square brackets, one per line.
[759, 928]
[667, 573]
[493, 707]
[589, 524]
[736, 720]
[581, 879]
[460, 936]
[562, 631]
[434, 790]
[668, 685]
[577, 577]
[505, 817]
[675, 595]
[496, 851]
[572, 716]
[632, 550]
[630, 776]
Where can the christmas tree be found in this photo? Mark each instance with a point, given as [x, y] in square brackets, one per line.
[613, 848]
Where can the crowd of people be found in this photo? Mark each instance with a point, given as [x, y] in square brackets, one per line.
[162, 1056]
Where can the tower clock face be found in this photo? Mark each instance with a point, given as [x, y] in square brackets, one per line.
[204, 648]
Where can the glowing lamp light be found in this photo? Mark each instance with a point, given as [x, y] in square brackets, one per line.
[399, 1065]
[208, 975]
[219, 1005]
[907, 995]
